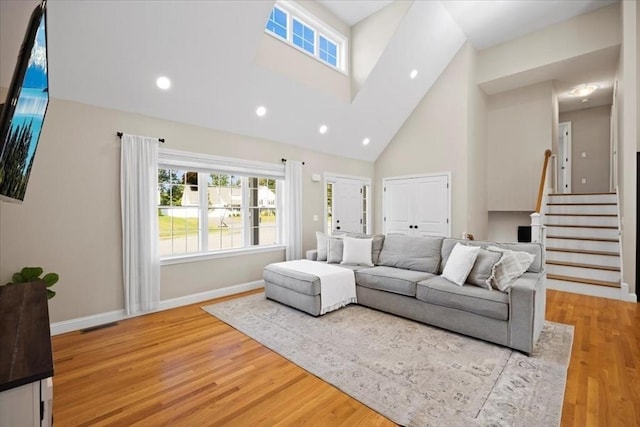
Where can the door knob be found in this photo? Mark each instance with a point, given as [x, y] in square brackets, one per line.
[338, 228]
[415, 226]
[411, 226]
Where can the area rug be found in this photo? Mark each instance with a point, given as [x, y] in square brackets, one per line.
[413, 374]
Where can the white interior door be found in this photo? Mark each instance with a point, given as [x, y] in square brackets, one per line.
[397, 205]
[431, 206]
[347, 206]
[564, 160]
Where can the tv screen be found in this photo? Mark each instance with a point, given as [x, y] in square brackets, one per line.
[23, 112]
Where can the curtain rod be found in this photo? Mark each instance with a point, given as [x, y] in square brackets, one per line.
[120, 136]
[284, 160]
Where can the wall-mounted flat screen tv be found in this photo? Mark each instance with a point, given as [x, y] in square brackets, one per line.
[23, 112]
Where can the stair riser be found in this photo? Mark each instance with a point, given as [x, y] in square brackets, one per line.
[603, 221]
[583, 198]
[609, 261]
[599, 233]
[583, 209]
[584, 245]
[584, 273]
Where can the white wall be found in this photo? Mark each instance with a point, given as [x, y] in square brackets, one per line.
[520, 128]
[370, 37]
[70, 220]
[503, 226]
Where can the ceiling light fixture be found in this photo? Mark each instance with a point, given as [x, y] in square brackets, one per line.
[163, 83]
[583, 90]
[261, 111]
[413, 74]
[366, 141]
[323, 129]
[584, 100]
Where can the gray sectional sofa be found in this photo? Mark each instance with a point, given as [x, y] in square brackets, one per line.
[406, 281]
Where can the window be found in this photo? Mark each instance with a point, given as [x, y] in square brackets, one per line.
[304, 37]
[295, 26]
[216, 205]
[277, 23]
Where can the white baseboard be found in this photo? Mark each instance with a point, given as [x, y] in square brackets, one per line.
[117, 315]
[621, 293]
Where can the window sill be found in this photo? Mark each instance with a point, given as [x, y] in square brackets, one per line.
[181, 259]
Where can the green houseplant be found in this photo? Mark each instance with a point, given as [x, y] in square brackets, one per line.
[29, 274]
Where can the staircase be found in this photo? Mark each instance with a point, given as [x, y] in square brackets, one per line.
[583, 243]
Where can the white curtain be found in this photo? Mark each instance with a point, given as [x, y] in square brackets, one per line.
[141, 259]
[293, 209]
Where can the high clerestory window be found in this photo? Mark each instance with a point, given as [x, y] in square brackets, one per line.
[297, 27]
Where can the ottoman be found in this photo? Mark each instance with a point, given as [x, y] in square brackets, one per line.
[293, 288]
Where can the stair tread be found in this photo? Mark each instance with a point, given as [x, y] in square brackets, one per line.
[580, 214]
[583, 251]
[583, 280]
[582, 204]
[582, 226]
[582, 194]
[577, 264]
[589, 239]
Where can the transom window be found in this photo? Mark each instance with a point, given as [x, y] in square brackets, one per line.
[208, 209]
[295, 26]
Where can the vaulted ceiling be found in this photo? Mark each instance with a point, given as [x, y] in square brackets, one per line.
[109, 54]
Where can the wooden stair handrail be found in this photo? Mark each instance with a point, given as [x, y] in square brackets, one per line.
[543, 178]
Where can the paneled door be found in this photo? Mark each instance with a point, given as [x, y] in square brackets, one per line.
[417, 205]
[347, 206]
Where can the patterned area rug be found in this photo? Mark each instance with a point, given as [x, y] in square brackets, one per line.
[414, 374]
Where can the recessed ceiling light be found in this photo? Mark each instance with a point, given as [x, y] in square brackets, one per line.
[261, 111]
[413, 74]
[323, 129]
[584, 100]
[163, 83]
[366, 141]
[583, 90]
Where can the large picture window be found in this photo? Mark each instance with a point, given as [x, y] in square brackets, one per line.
[208, 210]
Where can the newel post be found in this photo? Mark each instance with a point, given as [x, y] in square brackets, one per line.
[536, 228]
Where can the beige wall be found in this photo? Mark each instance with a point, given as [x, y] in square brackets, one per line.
[435, 138]
[70, 220]
[503, 226]
[477, 215]
[370, 37]
[590, 134]
[583, 34]
[629, 139]
[520, 126]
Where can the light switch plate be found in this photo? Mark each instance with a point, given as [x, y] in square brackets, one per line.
[584, 180]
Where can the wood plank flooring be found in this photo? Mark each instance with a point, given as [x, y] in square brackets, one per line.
[183, 367]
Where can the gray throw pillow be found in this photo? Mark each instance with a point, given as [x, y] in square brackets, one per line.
[334, 253]
[481, 270]
[322, 245]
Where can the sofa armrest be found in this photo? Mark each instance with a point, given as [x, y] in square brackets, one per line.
[312, 254]
[527, 298]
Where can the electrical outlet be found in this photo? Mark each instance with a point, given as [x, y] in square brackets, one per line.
[584, 180]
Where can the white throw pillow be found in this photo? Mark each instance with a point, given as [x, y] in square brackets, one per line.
[322, 245]
[512, 265]
[357, 251]
[460, 263]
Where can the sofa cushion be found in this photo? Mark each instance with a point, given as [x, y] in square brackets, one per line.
[357, 251]
[411, 253]
[483, 268]
[376, 244]
[533, 248]
[460, 263]
[322, 244]
[297, 281]
[469, 298]
[334, 250]
[390, 279]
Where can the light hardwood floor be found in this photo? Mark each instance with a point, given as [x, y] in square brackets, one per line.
[183, 367]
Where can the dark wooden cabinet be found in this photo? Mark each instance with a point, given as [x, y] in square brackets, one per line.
[26, 360]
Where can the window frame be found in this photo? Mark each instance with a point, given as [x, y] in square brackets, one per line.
[320, 28]
[205, 164]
